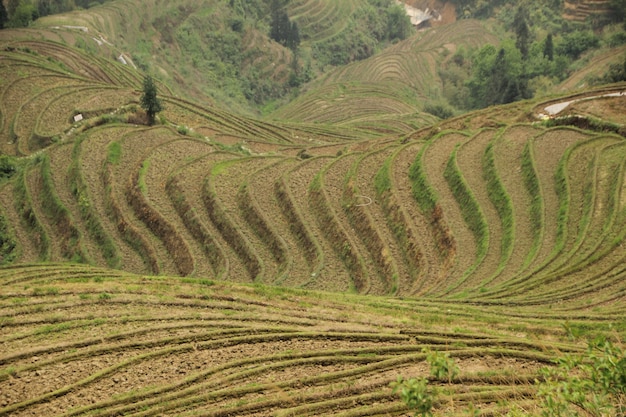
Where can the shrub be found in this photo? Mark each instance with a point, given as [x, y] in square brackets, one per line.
[416, 394]
[575, 43]
[593, 383]
[442, 366]
[7, 166]
[440, 110]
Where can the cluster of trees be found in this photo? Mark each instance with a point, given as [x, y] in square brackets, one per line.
[368, 30]
[283, 30]
[20, 13]
[518, 68]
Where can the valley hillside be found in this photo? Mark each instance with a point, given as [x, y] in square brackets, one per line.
[312, 208]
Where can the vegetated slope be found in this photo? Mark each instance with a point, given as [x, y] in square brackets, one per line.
[390, 90]
[495, 237]
[487, 207]
[223, 50]
[107, 342]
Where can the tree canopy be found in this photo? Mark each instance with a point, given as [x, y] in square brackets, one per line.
[149, 100]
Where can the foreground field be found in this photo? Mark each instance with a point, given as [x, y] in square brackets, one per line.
[78, 340]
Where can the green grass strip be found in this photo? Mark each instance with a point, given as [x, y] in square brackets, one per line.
[531, 182]
[502, 203]
[562, 192]
[422, 191]
[114, 153]
[470, 209]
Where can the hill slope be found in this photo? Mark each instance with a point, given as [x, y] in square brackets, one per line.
[212, 194]
[218, 264]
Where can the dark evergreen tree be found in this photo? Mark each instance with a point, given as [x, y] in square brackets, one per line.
[522, 31]
[512, 92]
[4, 15]
[283, 30]
[280, 26]
[149, 100]
[293, 40]
[499, 80]
[548, 48]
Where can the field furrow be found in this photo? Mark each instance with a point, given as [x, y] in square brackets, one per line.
[190, 180]
[120, 170]
[26, 250]
[68, 212]
[370, 222]
[507, 154]
[549, 149]
[263, 213]
[92, 160]
[327, 192]
[51, 249]
[159, 167]
[582, 171]
[470, 157]
[220, 349]
[136, 190]
[434, 159]
[225, 181]
[327, 271]
[603, 230]
[420, 245]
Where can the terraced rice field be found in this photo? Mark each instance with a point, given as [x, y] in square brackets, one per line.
[479, 214]
[379, 92]
[109, 343]
[220, 265]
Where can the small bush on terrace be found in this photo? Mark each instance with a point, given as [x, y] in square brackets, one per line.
[416, 394]
[590, 384]
[7, 166]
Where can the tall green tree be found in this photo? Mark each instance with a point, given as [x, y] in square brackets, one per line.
[499, 80]
[522, 31]
[149, 100]
[4, 15]
[548, 48]
[23, 15]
